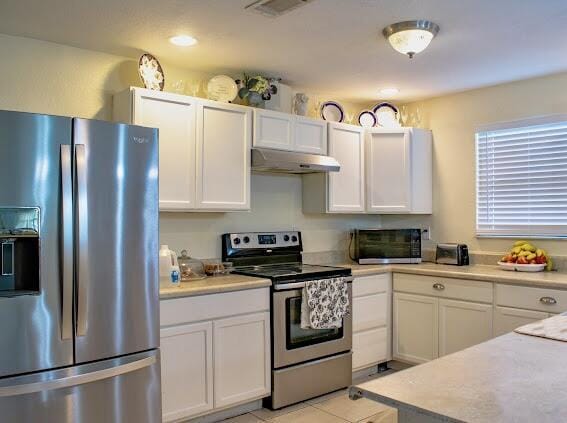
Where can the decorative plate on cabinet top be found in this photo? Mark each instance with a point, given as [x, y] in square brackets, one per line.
[222, 88]
[332, 111]
[151, 72]
[386, 115]
[367, 119]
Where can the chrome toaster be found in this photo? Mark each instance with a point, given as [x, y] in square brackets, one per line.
[455, 254]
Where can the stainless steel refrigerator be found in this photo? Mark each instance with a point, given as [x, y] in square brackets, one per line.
[79, 288]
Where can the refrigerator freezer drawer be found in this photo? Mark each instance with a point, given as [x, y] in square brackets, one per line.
[124, 389]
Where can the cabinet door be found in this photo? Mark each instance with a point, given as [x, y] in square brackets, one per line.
[242, 358]
[463, 324]
[370, 311]
[388, 178]
[346, 187]
[310, 135]
[507, 319]
[186, 370]
[369, 347]
[273, 130]
[174, 116]
[415, 328]
[223, 156]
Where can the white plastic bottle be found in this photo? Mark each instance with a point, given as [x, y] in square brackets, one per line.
[168, 267]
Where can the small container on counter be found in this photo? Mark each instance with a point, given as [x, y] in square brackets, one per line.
[191, 269]
[214, 267]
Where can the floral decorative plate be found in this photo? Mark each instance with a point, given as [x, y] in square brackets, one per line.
[332, 111]
[151, 72]
[367, 119]
[386, 115]
[222, 88]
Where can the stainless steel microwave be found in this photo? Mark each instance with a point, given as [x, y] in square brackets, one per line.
[385, 246]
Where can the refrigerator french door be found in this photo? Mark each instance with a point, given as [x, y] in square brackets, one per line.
[79, 299]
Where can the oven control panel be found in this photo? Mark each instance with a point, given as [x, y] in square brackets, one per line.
[265, 240]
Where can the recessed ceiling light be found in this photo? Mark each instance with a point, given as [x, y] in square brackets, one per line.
[183, 40]
[389, 91]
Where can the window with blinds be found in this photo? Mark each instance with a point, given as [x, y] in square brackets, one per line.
[522, 180]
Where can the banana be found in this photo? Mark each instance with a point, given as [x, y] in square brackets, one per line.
[539, 252]
[528, 247]
[549, 265]
[531, 256]
[520, 243]
[524, 253]
[517, 250]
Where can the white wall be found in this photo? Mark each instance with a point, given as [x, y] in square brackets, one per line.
[453, 119]
[276, 205]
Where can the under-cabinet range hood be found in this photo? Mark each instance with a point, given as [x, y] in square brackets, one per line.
[266, 160]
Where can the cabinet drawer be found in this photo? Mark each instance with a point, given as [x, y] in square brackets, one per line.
[213, 306]
[444, 287]
[541, 299]
[370, 347]
[374, 284]
[370, 311]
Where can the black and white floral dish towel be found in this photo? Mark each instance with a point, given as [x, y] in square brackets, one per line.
[324, 304]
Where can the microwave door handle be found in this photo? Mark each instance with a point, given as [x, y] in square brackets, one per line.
[82, 235]
[66, 243]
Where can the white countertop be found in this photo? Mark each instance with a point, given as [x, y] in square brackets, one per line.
[512, 378]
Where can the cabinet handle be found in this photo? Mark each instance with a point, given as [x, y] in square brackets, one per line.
[548, 300]
[438, 286]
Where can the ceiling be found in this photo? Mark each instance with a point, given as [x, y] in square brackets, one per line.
[330, 47]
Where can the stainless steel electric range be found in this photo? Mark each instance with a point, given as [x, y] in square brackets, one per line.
[305, 362]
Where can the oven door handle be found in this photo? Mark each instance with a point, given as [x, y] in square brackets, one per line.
[296, 285]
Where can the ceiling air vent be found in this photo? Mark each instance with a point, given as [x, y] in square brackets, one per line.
[275, 8]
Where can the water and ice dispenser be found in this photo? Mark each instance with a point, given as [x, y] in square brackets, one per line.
[20, 249]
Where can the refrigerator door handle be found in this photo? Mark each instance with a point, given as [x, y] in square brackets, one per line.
[82, 235]
[77, 379]
[66, 244]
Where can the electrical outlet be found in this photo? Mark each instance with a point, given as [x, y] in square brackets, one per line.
[426, 234]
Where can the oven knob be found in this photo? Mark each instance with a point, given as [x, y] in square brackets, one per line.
[246, 239]
[286, 238]
[236, 241]
[294, 239]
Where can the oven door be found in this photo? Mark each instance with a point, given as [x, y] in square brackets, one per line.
[292, 344]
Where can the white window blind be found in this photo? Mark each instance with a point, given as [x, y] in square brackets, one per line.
[522, 180]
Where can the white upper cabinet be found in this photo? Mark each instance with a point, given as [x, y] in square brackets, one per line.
[282, 131]
[223, 156]
[346, 187]
[273, 129]
[343, 191]
[310, 135]
[174, 116]
[398, 171]
[204, 148]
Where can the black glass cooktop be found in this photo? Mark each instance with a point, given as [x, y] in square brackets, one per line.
[292, 271]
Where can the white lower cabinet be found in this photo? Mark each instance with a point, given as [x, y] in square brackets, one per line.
[187, 370]
[416, 323]
[431, 325]
[463, 324]
[371, 322]
[241, 364]
[507, 319]
[215, 352]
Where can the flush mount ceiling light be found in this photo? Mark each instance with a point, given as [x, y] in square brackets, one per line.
[411, 37]
[183, 40]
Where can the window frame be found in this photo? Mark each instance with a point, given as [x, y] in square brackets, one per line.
[515, 124]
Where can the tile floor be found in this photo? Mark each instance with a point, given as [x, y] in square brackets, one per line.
[335, 407]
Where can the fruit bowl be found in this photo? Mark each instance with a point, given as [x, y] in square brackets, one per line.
[522, 267]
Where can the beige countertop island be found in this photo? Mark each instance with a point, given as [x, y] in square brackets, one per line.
[512, 378]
